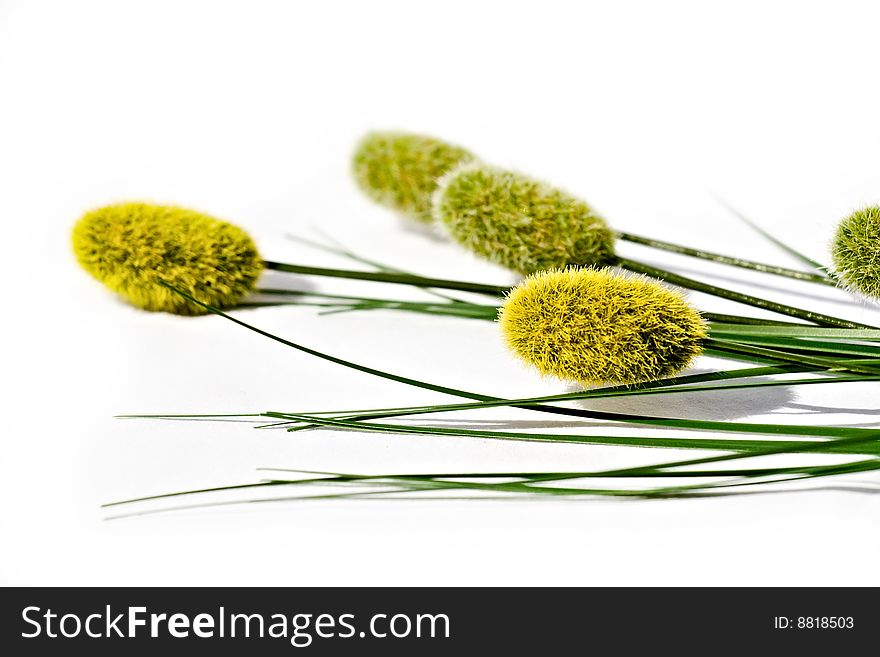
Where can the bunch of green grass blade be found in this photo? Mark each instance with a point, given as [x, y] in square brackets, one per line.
[823, 440]
[843, 349]
[726, 445]
[658, 482]
[588, 325]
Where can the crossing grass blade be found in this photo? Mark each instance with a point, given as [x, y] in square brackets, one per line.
[528, 483]
[738, 331]
[620, 441]
[812, 264]
[339, 250]
[742, 263]
[487, 400]
[842, 438]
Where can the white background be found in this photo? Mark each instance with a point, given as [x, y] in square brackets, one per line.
[249, 111]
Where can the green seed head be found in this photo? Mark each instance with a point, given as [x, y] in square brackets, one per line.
[520, 223]
[597, 326]
[131, 246]
[401, 170]
[856, 251]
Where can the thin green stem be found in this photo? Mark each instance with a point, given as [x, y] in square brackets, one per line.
[527, 481]
[731, 445]
[813, 264]
[685, 383]
[390, 277]
[341, 251]
[747, 299]
[802, 331]
[463, 310]
[865, 365]
[396, 276]
[386, 375]
[828, 348]
[626, 418]
[728, 260]
[479, 310]
[338, 250]
[632, 265]
[710, 425]
[379, 413]
[740, 319]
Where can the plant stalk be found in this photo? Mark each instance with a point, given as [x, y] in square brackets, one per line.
[390, 277]
[728, 260]
[747, 299]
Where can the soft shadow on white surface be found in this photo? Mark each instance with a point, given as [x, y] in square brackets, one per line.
[241, 505]
[427, 231]
[285, 281]
[816, 409]
[705, 405]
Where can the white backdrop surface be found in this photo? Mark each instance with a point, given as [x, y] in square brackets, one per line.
[249, 111]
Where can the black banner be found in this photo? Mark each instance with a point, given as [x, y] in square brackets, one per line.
[278, 621]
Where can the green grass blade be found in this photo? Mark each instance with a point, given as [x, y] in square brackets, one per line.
[619, 417]
[726, 260]
[812, 264]
[832, 364]
[747, 299]
[410, 483]
[339, 250]
[620, 441]
[736, 331]
[390, 277]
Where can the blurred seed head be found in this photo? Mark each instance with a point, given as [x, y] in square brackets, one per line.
[856, 251]
[518, 222]
[400, 170]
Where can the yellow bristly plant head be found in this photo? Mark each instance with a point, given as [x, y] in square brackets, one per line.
[518, 222]
[401, 170]
[856, 251]
[595, 326]
[130, 247]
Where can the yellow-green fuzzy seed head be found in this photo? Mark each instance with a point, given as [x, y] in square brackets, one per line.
[599, 326]
[856, 251]
[520, 223]
[129, 247]
[401, 170]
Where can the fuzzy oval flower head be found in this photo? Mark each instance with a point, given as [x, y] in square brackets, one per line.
[401, 170]
[129, 247]
[518, 222]
[856, 251]
[598, 326]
